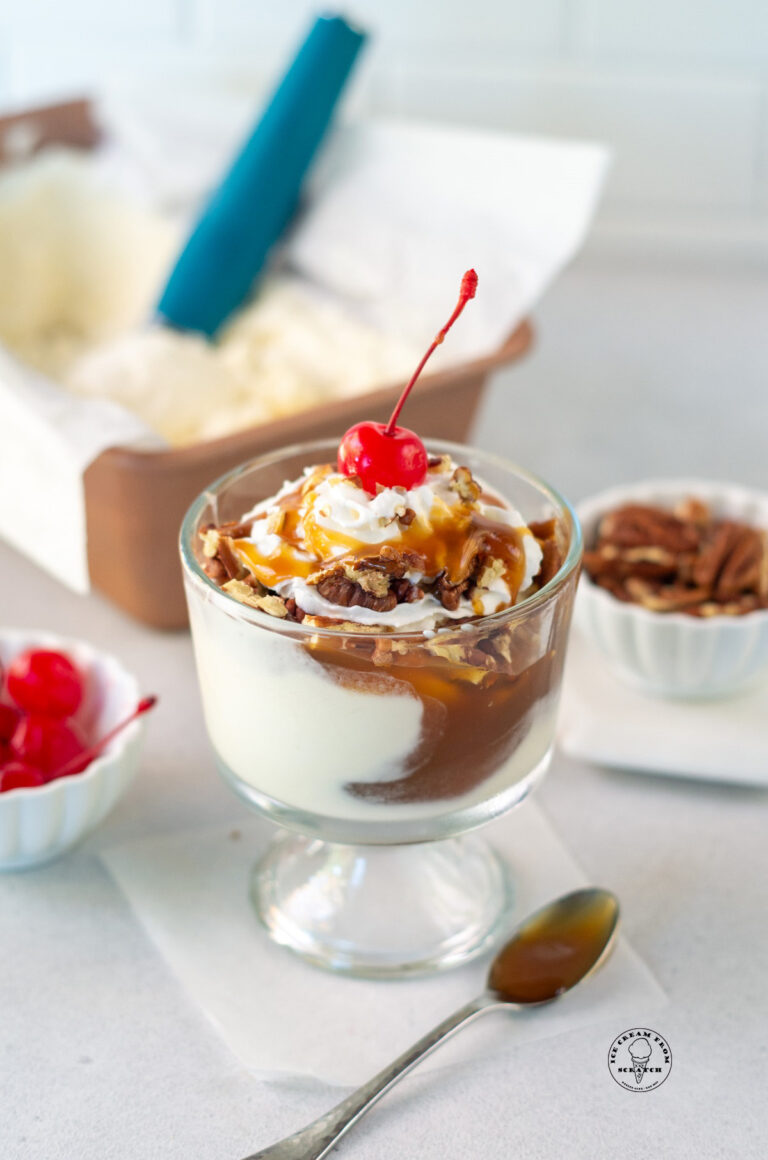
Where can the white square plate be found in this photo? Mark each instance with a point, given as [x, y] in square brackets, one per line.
[605, 721]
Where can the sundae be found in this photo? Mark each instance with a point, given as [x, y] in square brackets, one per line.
[369, 640]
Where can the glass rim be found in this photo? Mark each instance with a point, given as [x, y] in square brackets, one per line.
[234, 607]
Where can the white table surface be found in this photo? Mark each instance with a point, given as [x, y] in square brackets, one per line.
[102, 1054]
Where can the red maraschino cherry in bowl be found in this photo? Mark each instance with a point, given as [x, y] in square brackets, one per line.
[70, 734]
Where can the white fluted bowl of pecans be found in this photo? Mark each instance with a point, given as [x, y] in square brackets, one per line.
[674, 591]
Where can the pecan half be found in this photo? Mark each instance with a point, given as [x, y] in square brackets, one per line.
[717, 549]
[664, 597]
[356, 585]
[635, 525]
[742, 569]
[681, 561]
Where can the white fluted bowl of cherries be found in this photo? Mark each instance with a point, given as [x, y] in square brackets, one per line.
[71, 728]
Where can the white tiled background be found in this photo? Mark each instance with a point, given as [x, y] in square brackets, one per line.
[679, 87]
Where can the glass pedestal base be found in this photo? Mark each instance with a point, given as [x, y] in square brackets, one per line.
[382, 911]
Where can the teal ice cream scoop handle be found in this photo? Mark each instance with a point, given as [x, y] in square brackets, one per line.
[249, 211]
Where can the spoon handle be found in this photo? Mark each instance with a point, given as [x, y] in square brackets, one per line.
[317, 1139]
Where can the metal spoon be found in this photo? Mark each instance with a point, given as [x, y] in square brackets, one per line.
[552, 951]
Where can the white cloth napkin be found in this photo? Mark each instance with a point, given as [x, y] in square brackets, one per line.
[610, 723]
[398, 211]
[280, 1015]
[48, 439]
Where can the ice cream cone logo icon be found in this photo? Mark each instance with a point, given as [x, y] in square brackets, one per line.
[639, 1059]
[640, 1053]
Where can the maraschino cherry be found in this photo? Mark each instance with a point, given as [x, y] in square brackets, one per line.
[47, 744]
[9, 719]
[86, 756]
[19, 775]
[38, 740]
[384, 454]
[44, 681]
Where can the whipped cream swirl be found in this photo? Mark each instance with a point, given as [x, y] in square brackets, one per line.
[335, 520]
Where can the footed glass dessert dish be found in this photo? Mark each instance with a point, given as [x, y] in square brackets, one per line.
[377, 709]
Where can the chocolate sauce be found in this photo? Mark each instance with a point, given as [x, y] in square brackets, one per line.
[479, 729]
[478, 704]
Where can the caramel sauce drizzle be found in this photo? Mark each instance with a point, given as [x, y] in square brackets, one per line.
[447, 543]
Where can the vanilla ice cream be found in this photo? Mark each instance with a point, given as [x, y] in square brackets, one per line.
[83, 266]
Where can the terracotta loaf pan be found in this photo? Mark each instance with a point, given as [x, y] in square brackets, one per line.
[135, 500]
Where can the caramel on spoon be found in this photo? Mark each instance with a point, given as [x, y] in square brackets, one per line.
[549, 953]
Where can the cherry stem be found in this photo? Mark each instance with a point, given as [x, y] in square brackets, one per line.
[93, 751]
[468, 290]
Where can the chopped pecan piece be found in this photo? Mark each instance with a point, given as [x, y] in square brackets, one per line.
[406, 591]
[276, 520]
[551, 562]
[341, 625]
[472, 663]
[232, 566]
[210, 538]
[396, 561]
[543, 529]
[271, 604]
[693, 510]
[370, 579]
[545, 532]
[236, 529]
[464, 485]
[443, 462]
[293, 610]
[386, 652]
[449, 594]
[492, 570]
[215, 570]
